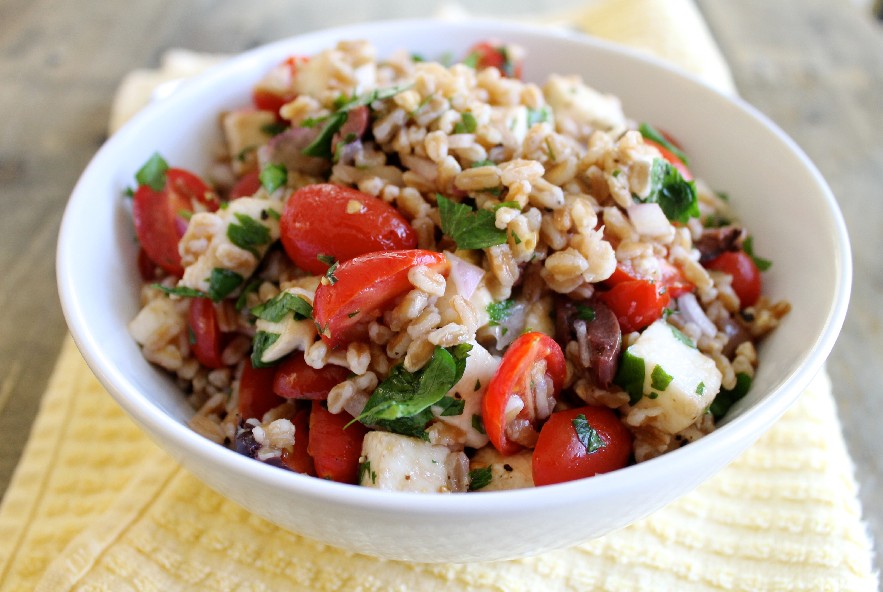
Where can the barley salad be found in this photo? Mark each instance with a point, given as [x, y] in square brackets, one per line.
[430, 276]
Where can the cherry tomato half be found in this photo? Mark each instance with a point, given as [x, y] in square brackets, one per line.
[636, 303]
[296, 380]
[334, 445]
[671, 278]
[208, 341]
[256, 395]
[561, 456]
[161, 216]
[297, 458]
[342, 223]
[489, 55]
[516, 378]
[672, 158]
[246, 186]
[746, 276]
[363, 286]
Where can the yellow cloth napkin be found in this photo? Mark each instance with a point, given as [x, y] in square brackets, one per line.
[94, 505]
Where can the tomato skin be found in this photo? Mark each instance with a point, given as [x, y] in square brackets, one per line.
[295, 379]
[636, 303]
[363, 286]
[671, 278]
[672, 158]
[276, 88]
[494, 56]
[747, 282]
[207, 336]
[256, 395]
[246, 186]
[513, 378]
[298, 459]
[317, 221]
[334, 446]
[559, 456]
[159, 224]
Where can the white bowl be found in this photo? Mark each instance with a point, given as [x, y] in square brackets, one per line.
[777, 191]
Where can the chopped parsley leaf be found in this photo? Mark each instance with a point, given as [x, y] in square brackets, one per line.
[478, 423]
[679, 335]
[222, 282]
[182, 291]
[262, 342]
[540, 115]
[153, 172]
[675, 195]
[700, 389]
[329, 275]
[480, 478]
[273, 176]
[249, 234]
[472, 59]
[278, 307]
[587, 435]
[630, 376]
[467, 125]
[585, 313]
[366, 471]
[469, 228]
[726, 398]
[481, 163]
[274, 129]
[499, 311]
[761, 263]
[659, 378]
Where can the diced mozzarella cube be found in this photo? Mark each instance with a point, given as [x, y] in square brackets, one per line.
[245, 132]
[572, 100]
[507, 472]
[480, 368]
[692, 378]
[401, 463]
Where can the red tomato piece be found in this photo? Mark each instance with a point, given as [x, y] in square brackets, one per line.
[298, 459]
[673, 159]
[746, 276]
[516, 377]
[334, 445]
[246, 186]
[207, 337]
[671, 278]
[161, 216]
[296, 380]
[489, 55]
[636, 303]
[277, 87]
[256, 395]
[342, 223]
[560, 455]
[146, 267]
[364, 286]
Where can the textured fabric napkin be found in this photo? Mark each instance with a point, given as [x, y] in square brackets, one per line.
[95, 505]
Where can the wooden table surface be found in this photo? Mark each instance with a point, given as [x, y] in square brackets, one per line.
[814, 66]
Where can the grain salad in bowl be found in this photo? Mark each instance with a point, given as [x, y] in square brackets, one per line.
[425, 276]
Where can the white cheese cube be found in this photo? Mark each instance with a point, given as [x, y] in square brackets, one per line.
[401, 463]
[244, 132]
[679, 380]
[572, 100]
[507, 472]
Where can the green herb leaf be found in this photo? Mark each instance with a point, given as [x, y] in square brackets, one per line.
[630, 376]
[274, 129]
[535, 116]
[329, 275]
[480, 478]
[472, 59]
[402, 402]
[262, 341]
[675, 195]
[700, 389]
[469, 228]
[726, 398]
[222, 283]
[478, 424]
[321, 147]
[659, 378]
[653, 134]
[273, 176]
[153, 172]
[761, 263]
[587, 435]
[182, 291]
[467, 125]
[450, 406]
[585, 313]
[278, 307]
[481, 163]
[366, 471]
[249, 234]
[243, 296]
[499, 311]
[679, 335]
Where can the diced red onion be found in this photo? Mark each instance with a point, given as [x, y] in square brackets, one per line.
[465, 275]
[692, 311]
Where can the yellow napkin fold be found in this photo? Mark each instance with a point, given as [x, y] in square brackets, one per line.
[94, 505]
